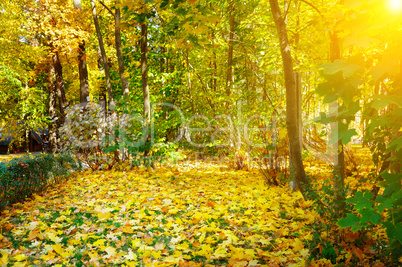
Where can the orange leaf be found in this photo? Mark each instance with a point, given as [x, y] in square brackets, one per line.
[165, 209]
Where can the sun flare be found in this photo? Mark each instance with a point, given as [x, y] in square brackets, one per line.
[395, 5]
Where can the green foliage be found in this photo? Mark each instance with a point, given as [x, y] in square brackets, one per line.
[369, 212]
[22, 177]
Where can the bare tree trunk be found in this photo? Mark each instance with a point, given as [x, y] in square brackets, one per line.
[293, 184]
[27, 143]
[291, 100]
[104, 58]
[83, 73]
[190, 89]
[59, 85]
[230, 51]
[214, 65]
[117, 36]
[339, 163]
[145, 86]
[53, 116]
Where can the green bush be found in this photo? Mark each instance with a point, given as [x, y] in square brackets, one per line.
[22, 177]
[368, 210]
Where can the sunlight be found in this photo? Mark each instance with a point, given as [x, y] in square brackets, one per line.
[395, 5]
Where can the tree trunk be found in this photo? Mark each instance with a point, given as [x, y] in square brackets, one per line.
[53, 116]
[83, 73]
[145, 86]
[214, 65]
[339, 158]
[59, 85]
[293, 185]
[104, 58]
[291, 101]
[27, 143]
[230, 51]
[117, 36]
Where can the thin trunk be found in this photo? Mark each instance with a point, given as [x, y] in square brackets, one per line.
[230, 51]
[59, 85]
[339, 164]
[117, 35]
[214, 66]
[291, 100]
[293, 186]
[190, 89]
[214, 83]
[53, 116]
[145, 86]
[27, 143]
[104, 58]
[83, 73]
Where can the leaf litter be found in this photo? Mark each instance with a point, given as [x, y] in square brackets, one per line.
[165, 217]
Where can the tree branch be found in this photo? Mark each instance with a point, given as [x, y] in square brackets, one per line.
[105, 6]
[313, 6]
[287, 10]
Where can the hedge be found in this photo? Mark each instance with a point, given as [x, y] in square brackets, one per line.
[22, 177]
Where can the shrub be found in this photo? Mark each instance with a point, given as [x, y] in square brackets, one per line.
[22, 177]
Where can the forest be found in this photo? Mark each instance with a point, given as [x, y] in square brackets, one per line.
[200, 133]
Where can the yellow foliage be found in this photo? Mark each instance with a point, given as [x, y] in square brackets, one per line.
[147, 219]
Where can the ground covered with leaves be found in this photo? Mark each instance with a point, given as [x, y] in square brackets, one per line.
[200, 215]
[164, 217]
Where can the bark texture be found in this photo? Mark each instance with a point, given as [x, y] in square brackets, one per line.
[117, 33]
[230, 51]
[83, 73]
[145, 86]
[291, 100]
[104, 57]
[60, 89]
[53, 116]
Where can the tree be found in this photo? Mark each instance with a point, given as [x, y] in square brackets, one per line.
[230, 50]
[145, 85]
[291, 101]
[119, 51]
[83, 73]
[105, 63]
[60, 89]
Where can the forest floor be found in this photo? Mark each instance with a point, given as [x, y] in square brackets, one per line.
[192, 214]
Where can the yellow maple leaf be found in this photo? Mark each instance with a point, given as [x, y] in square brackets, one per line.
[20, 257]
[20, 264]
[202, 237]
[111, 252]
[99, 242]
[173, 211]
[135, 243]
[172, 260]
[104, 216]
[4, 259]
[93, 255]
[131, 263]
[130, 256]
[49, 256]
[156, 254]
[219, 253]
[304, 252]
[53, 237]
[58, 249]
